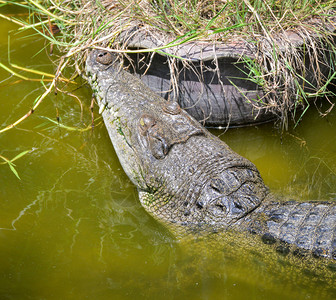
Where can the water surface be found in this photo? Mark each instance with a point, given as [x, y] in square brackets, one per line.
[73, 228]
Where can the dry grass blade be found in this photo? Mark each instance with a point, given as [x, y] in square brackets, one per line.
[63, 64]
[289, 73]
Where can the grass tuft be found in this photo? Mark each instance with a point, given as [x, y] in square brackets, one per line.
[291, 75]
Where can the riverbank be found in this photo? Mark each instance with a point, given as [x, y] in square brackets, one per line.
[283, 52]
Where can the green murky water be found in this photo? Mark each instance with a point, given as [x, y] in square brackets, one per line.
[73, 228]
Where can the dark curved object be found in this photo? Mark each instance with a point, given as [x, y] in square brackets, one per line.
[211, 79]
[214, 98]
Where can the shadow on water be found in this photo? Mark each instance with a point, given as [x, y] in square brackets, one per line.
[73, 228]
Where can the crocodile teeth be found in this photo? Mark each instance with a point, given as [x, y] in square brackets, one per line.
[101, 108]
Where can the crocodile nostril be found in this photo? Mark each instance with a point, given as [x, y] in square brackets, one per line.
[104, 57]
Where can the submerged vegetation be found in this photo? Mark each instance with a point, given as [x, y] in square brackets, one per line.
[10, 162]
[279, 65]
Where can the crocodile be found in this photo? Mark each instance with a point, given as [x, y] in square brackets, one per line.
[188, 178]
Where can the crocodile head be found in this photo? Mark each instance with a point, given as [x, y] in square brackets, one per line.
[143, 127]
[184, 174]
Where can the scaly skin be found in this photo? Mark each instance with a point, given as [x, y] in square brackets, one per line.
[188, 178]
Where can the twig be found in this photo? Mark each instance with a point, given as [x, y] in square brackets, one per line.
[61, 66]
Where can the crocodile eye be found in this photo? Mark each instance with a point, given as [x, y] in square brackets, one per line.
[172, 108]
[104, 57]
[145, 123]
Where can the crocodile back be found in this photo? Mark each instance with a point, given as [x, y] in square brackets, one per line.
[303, 227]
